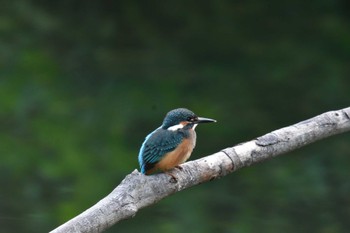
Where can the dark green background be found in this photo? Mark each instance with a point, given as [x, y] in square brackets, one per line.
[83, 82]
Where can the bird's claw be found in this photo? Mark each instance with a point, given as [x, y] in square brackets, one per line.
[173, 177]
[179, 167]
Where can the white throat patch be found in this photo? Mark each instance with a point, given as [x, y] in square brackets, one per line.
[176, 127]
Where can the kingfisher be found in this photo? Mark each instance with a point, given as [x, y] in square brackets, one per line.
[172, 143]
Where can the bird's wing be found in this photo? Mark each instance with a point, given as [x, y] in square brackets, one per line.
[156, 145]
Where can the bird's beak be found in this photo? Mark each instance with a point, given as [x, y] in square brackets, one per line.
[204, 120]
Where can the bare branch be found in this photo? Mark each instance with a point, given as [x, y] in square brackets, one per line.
[137, 191]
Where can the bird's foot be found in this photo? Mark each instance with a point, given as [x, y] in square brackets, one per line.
[173, 177]
[179, 167]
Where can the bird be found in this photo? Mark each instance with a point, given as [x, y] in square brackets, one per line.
[172, 143]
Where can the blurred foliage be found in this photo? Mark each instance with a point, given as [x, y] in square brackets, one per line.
[83, 82]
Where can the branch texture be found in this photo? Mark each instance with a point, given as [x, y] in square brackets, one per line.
[137, 191]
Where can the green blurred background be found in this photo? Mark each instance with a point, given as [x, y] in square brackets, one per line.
[83, 82]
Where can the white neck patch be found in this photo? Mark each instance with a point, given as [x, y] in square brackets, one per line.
[176, 127]
[180, 126]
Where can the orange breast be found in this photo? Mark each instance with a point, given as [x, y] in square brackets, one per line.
[179, 155]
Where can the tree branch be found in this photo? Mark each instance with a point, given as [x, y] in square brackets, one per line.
[137, 191]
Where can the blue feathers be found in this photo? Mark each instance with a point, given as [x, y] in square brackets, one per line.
[178, 125]
[156, 145]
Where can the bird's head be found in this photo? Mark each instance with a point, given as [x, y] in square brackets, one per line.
[182, 117]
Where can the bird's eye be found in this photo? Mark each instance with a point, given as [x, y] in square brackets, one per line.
[189, 119]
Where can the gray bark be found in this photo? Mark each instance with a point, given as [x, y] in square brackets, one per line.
[137, 191]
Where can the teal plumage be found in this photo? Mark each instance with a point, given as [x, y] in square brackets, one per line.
[157, 144]
[172, 143]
